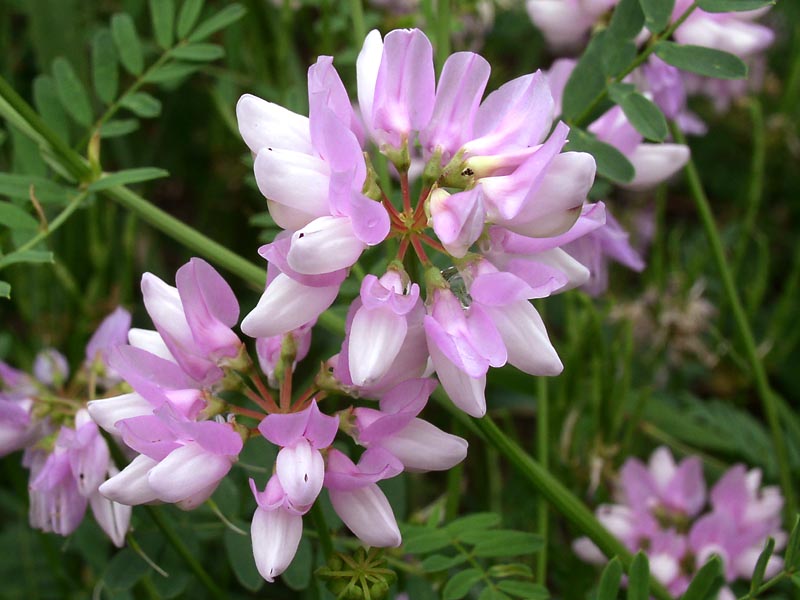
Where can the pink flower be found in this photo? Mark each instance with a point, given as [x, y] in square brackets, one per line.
[358, 501]
[195, 318]
[181, 461]
[417, 444]
[380, 324]
[395, 85]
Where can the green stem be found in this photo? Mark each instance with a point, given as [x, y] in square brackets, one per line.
[133, 88]
[177, 543]
[188, 236]
[51, 227]
[442, 32]
[792, 88]
[756, 187]
[359, 29]
[551, 489]
[765, 393]
[543, 453]
[72, 161]
[640, 58]
[322, 530]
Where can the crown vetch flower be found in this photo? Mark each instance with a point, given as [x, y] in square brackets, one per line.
[661, 512]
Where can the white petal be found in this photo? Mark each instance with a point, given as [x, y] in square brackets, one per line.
[655, 163]
[325, 245]
[114, 518]
[295, 180]
[275, 535]
[523, 332]
[421, 446]
[108, 411]
[286, 305]
[376, 337]
[186, 471]
[367, 513]
[151, 341]
[130, 486]
[367, 66]
[267, 125]
[554, 207]
[301, 471]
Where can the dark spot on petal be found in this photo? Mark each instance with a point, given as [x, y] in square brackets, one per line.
[305, 477]
[467, 172]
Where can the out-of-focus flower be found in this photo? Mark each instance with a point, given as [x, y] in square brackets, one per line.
[660, 512]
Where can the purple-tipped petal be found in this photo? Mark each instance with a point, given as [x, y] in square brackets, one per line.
[112, 332]
[404, 89]
[458, 94]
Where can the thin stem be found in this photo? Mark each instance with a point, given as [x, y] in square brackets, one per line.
[286, 391]
[420, 219]
[260, 385]
[184, 552]
[423, 258]
[246, 412]
[756, 187]
[751, 351]
[648, 50]
[401, 251]
[552, 489]
[188, 236]
[322, 530]
[75, 164]
[406, 193]
[543, 454]
[133, 88]
[53, 226]
[359, 29]
[432, 243]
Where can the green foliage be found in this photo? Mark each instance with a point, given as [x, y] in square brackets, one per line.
[127, 177]
[611, 162]
[733, 5]
[639, 578]
[467, 542]
[642, 113]
[703, 61]
[707, 582]
[71, 92]
[657, 13]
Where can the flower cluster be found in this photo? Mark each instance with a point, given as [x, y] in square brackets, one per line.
[186, 433]
[566, 25]
[68, 459]
[660, 510]
[498, 197]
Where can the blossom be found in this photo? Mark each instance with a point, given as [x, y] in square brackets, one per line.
[663, 510]
[180, 460]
